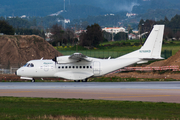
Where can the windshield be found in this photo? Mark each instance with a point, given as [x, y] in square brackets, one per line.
[25, 65]
[29, 65]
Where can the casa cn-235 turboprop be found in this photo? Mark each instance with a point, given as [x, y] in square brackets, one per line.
[80, 67]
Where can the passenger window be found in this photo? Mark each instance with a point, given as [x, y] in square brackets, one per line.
[62, 67]
[76, 66]
[66, 67]
[59, 67]
[90, 66]
[84, 66]
[69, 66]
[73, 67]
[80, 67]
[87, 66]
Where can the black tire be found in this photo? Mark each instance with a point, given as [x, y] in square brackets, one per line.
[33, 80]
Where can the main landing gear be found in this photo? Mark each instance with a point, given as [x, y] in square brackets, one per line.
[85, 80]
[33, 80]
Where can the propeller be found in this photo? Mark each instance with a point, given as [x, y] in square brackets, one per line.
[55, 59]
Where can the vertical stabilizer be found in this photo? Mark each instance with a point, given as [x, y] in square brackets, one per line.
[151, 48]
[153, 45]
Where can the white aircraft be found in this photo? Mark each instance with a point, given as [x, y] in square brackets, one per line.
[80, 67]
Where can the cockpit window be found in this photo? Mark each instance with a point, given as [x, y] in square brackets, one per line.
[29, 65]
[25, 65]
[32, 65]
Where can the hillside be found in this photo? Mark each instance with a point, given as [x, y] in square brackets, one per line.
[81, 8]
[17, 50]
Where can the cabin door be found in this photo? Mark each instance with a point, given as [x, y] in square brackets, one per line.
[96, 68]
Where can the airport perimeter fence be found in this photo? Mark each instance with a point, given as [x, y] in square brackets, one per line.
[8, 71]
[10, 68]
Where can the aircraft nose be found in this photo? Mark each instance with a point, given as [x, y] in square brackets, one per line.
[17, 72]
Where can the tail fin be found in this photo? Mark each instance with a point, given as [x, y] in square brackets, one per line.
[151, 48]
[153, 45]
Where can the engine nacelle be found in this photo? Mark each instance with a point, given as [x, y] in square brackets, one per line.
[63, 59]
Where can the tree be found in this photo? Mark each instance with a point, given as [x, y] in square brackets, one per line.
[121, 36]
[141, 23]
[145, 26]
[177, 35]
[69, 36]
[92, 37]
[17, 22]
[107, 36]
[57, 34]
[130, 30]
[168, 33]
[26, 31]
[6, 28]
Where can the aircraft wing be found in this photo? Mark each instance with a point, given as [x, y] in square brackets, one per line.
[79, 56]
[73, 75]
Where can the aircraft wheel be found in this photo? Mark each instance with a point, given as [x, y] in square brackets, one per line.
[33, 80]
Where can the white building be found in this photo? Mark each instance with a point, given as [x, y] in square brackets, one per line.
[131, 14]
[48, 35]
[132, 36]
[114, 29]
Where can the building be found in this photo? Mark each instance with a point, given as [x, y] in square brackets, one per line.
[48, 36]
[130, 14]
[114, 29]
[132, 36]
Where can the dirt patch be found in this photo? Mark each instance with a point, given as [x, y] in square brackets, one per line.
[16, 50]
[155, 75]
[171, 61]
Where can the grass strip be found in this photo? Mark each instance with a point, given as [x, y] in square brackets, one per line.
[36, 108]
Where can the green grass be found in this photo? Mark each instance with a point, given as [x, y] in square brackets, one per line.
[34, 108]
[174, 47]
